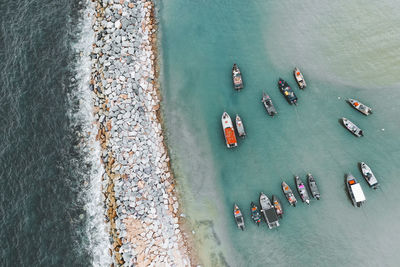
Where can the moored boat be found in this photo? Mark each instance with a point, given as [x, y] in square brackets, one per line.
[368, 175]
[255, 215]
[268, 211]
[312, 185]
[301, 189]
[237, 77]
[240, 126]
[355, 191]
[237, 214]
[354, 129]
[277, 205]
[229, 132]
[360, 106]
[299, 78]
[287, 91]
[269, 106]
[289, 194]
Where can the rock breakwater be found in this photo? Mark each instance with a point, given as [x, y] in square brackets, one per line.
[140, 199]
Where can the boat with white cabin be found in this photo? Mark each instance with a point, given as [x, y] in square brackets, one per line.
[355, 191]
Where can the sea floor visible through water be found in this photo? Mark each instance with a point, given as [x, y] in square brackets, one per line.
[345, 50]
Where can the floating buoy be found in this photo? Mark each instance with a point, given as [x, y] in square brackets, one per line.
[383, 129]
[338, 97]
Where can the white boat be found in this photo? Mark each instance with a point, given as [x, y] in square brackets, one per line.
[355, 191]
[240, 126]
[369, 175]
[229, 132]
[299, 78]
[354, 129]
[360, 106]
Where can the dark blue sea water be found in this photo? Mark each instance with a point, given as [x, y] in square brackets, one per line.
[42, 220]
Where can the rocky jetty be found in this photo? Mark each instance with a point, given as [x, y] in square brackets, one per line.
[140, 198]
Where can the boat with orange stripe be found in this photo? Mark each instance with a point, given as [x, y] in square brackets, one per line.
[229, 132]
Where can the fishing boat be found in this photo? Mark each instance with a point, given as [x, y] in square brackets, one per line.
[301, 189]
[255, 215]
[287, 91]
[312, 185]
[299, 78]
[268, 211]
[237, 77]
[269, 106]
[354, 129]
[237, 214]
[360, 106]
[355, 191]
[289, 194]
[277, 205]
[229, 132]
[368, 175]
[240, 126]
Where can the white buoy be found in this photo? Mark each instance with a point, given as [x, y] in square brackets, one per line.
[338, 97]
[383, 129]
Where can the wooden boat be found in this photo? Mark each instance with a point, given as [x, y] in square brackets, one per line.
[237, 77]
[237, 214]
[266, 99]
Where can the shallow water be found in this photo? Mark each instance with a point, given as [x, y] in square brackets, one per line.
[344, 50]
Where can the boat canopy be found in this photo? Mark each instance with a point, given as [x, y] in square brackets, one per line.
[358, 193]
[230, 136]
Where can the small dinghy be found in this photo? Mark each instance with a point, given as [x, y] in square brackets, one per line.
[368, 175]
[238, 217]
[299, 78]
[255, 215]
[277, 206]
[240, 126]
[266, 99]
[360, 106]
[312, 185]
[237, 77]
[354, 129]
[301, 189]
[289, 194]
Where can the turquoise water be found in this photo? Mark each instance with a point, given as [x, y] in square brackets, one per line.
[344, 50]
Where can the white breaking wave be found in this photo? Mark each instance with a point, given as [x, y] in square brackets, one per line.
[97, 230]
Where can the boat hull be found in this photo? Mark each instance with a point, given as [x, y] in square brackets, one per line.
[287, 92]
[229, 132]
[298, 76]
[301, 189]
[237, 78]
[351, 127]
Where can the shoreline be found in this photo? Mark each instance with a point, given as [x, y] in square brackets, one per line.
[142, 208]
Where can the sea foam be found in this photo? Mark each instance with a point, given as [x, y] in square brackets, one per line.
[97, 231]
